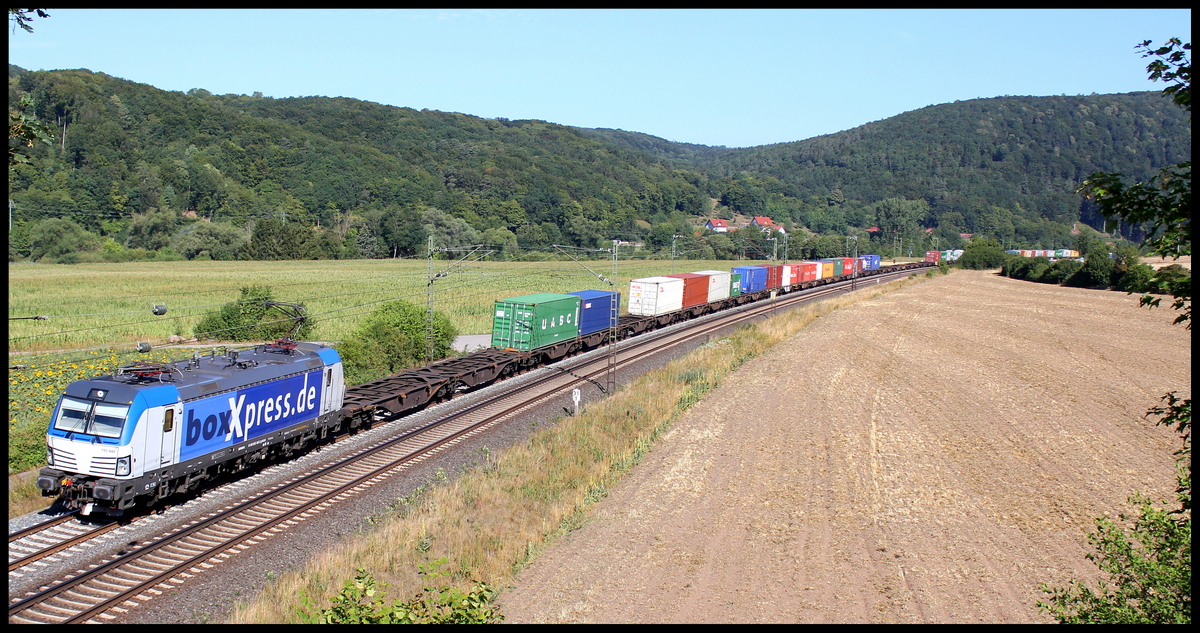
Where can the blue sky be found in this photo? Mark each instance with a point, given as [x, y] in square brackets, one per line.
[737, 78]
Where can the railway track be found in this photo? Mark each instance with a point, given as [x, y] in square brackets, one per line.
[56, 535]
[101, 593]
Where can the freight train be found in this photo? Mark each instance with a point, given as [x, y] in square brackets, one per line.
[152, 430]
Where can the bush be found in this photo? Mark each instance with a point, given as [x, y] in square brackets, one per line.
[1027, 268]
[982, 254]
[57, 237]
[1138, 278]
[1096, 272]
[1169, 276]
[1059, 271]
[249, 320]
[392, 339]
[434, 605]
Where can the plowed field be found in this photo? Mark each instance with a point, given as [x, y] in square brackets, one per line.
[927, 456]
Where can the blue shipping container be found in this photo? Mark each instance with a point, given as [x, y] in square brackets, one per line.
[596, 309]
[754, 278]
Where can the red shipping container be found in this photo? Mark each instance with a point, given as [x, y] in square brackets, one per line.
[808, 270]
[695, 288]
[933, 256]
[791, 274]
[848, 264]
[774, 276]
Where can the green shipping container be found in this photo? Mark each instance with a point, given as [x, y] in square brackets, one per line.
[531, 321]
[735, 284]
[837, 266]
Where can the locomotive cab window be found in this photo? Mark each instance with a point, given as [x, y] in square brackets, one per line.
[92, 418]
[168, 421]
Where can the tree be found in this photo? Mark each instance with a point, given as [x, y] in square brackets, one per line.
[896, 216]
[24, 128]
[250, 319]
[982, 254]
[216, 239]
[447, 231]
[152, 230]
[57, 237]
[23, 19]
[1165, 203]
[1149, 564]
[392, 339]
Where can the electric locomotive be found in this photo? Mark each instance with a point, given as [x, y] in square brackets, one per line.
[154, 429]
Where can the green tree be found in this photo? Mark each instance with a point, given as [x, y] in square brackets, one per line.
[392, 339]
[1148, 565]
[152, 230]
[896, 216]
[218, 240]
[447, 231]
[24, 128]
[250, 319]
[57, 237]
[982, 254]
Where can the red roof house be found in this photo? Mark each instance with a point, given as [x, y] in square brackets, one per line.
[718, 225]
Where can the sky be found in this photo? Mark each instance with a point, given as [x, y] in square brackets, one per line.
[736, 78]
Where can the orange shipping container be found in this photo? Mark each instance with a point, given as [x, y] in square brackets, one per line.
[695, 288]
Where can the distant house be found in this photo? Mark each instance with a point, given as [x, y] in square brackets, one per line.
[966, 236]
[873, 230]
[766, 224]
[717, 225]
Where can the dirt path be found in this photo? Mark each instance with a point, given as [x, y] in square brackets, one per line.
[930, 455]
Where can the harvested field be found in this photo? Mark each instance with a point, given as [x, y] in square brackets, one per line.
[927, 456]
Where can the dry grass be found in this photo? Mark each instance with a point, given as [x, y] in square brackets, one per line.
[24, 496]
[493, 520]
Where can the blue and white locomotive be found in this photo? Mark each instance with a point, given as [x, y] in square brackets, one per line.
[152, 430]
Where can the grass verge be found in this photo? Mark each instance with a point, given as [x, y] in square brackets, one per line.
[495, 519]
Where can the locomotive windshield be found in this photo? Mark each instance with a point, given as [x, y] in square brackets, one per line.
[93, 418]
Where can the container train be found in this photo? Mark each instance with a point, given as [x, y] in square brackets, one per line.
[152, 430]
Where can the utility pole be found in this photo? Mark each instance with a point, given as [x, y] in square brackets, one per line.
[854, 274]
[471, 250]
[429, 306]
[673, 238]
[610, 380]
[774, 247]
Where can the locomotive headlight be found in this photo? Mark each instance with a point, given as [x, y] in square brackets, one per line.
[49, 457]
[123, 465]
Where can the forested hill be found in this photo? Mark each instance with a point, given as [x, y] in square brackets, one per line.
[964, 157]
[141, 166]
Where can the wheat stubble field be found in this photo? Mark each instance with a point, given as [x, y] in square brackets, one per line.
[927, 456]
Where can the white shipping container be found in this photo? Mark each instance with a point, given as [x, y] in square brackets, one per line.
[718, 283]
[652, 296]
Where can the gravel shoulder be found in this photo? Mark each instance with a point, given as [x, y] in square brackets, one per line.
[927, 456]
